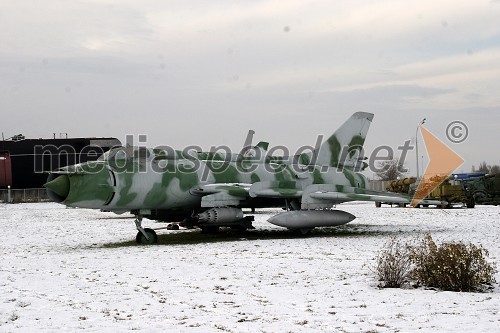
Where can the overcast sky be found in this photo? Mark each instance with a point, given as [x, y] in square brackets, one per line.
[204, 72]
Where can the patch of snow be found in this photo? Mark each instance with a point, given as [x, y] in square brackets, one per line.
[71, 269]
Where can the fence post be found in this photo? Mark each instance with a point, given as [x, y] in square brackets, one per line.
[8, 194]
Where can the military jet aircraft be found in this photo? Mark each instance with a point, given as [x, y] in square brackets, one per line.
[209, 189]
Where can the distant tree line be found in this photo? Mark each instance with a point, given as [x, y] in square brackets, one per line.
[486, 168]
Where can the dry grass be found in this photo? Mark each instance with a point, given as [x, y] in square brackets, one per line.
[393, 264]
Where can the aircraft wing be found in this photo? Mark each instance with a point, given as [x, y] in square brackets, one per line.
[358, 197]
[275, 189]
[316, 194]
[218, 195]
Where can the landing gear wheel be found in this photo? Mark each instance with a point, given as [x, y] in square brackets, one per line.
[141, 239]
[188, 223]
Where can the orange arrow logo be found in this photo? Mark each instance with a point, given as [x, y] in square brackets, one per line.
[442, 162]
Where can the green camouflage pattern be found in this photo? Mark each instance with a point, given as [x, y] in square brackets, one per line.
[142, 179]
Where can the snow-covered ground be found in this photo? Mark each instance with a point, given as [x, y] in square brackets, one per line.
[75, 269]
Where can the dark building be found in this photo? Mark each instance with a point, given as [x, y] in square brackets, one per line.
[5, 169]
[24, 163]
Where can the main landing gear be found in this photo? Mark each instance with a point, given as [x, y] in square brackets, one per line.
[144, 235]
[208, 221]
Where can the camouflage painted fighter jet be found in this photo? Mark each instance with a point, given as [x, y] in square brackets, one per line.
[209, 190]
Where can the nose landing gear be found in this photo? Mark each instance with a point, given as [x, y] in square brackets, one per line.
[144, 235]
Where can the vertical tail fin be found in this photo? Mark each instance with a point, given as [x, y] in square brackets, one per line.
[344, 148]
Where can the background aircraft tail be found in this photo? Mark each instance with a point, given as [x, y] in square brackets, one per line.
[344, 149]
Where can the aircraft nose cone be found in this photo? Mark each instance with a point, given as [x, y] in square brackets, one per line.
[59, 185]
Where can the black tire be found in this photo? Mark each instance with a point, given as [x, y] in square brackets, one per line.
[153, 238]
[471, 204]
[238, 228]
[302, 231]
[378, 204]
[209, 230]
[188, 223]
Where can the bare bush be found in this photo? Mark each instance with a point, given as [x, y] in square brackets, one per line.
[393, 264]
[451, 266]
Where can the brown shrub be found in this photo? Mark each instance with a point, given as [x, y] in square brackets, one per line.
[451, 266]
[393, 266]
